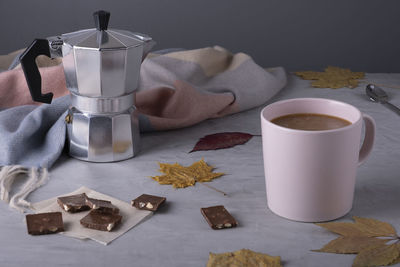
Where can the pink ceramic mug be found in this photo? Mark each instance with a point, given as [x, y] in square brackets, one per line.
[310, 175]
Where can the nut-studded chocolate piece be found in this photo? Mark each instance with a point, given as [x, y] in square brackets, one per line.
[102, 205]
[148, 202]
[102, 221]
[73, 203]
[44, 223]
[218, 217]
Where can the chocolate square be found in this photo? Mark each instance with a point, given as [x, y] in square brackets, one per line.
[44, 223]
[73, 203]
[99, 220]
[101, 205]
[218, 217]
[148, 202]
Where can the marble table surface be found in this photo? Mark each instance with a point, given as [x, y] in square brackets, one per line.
[178, 235]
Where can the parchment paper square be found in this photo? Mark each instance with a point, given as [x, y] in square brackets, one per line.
[130, 217]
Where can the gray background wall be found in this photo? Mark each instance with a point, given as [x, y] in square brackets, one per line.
[301, 34]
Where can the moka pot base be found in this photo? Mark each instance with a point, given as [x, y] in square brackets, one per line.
[102, 129]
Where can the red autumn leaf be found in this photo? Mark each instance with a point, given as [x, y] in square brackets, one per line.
[221, 140]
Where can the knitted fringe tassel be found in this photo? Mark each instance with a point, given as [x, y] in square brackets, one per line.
[8, 175]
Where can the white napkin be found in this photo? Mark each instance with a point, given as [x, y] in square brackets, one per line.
[130, 217]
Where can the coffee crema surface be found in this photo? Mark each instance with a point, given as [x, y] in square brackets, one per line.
[310, 121]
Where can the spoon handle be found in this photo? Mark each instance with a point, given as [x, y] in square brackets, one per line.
[392, 107]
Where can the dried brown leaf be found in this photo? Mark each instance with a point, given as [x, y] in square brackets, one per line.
[243, 257]
[180, 176]
[351, 244]
[332, 77]
[221, 140]
[379, 256]
[376, 227]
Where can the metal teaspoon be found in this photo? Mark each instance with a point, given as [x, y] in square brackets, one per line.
[377, 94]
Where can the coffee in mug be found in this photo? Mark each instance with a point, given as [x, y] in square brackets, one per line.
[310, 122]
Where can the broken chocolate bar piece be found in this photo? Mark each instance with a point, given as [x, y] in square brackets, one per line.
[102, 205]
[102, 221]
[73, 203]
[148, 202]
[218, 217]
[44, 223]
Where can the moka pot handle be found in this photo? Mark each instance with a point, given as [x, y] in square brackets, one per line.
[31, 71]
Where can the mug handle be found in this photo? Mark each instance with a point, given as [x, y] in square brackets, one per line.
[368, 140]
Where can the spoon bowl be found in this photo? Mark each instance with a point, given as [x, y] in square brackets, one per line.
[376, 93]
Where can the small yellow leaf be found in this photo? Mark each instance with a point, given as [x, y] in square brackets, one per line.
[180, 176]
[243, 258]
[332, 77]
[376, 227]
[351, 244]
[379, 256]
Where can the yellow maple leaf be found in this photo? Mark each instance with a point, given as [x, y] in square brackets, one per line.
[362, 227]
[347, 229]
[376, 227]
[180, 176]
[332, 77]
[379, 256]
[351, 244]
[396, 261]
[243, 257]
[375, 242]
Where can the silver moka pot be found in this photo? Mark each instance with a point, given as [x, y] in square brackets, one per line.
[101, 68]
